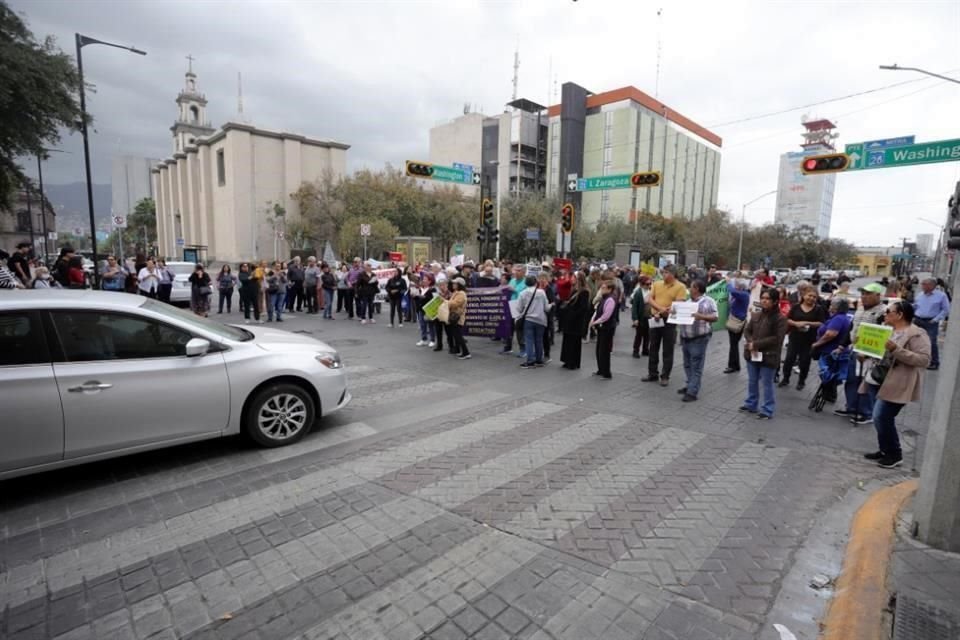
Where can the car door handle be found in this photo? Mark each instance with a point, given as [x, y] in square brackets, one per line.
[92, 385]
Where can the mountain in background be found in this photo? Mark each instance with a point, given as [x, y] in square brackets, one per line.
[70, 203]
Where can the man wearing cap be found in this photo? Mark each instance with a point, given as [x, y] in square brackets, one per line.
[469, 274]
[932, 307]
[662, 296]
[870, 311]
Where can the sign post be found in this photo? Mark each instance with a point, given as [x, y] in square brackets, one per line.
[365, 232]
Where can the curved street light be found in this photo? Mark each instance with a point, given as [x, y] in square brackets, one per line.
[743, 215]
[83, 41]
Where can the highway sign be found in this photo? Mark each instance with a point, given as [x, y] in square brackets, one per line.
[862, 157]
[364, 230]
[599, 183]
[119, 222]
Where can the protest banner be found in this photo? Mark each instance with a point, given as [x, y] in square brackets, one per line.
[430, 309]
[648, 269]
[872, 340]
[487, 314]
[718, 291]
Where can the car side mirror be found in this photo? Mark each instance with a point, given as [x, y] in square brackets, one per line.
[197, 347]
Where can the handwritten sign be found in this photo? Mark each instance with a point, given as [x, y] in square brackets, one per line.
[872, 340]
[487, 314]
[430, 309]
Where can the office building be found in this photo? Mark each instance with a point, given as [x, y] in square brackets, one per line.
[925, 244]
[624, 131]
[213, 196]
[807, 200]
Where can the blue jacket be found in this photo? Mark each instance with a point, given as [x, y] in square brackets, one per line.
[739, 302]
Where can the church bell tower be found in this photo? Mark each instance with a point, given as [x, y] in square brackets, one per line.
[191, 120]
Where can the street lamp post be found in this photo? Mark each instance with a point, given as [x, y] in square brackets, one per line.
[83, 41]
[895, 67]
[743, 216]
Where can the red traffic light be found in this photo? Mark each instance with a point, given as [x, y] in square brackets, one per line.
[645, 179]
[566, 218]
[829, 163]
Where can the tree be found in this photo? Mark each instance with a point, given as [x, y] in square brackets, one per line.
[40, 96]
[321, 209]
[448, 216]
[518, 214]
[382, 238]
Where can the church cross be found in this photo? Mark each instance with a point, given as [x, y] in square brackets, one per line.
[190, 60]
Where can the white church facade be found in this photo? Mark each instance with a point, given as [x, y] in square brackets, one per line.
[213, 195]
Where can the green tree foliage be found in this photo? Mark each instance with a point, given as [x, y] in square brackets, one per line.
[39, 95]
[382, 237]
[140, 236]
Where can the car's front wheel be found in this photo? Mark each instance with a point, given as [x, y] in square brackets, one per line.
[279, 414]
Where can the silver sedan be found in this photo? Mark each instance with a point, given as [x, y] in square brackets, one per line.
[88, 375]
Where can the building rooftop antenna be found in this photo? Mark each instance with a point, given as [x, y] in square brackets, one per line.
[516, 69]
[240, 97]
[656, 91]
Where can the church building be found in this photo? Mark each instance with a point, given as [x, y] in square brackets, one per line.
[215, 194]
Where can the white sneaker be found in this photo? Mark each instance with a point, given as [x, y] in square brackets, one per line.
[421, 343]
[390, 325]
[372, 321]
[363, 322]
[431, 344]
[401, 325]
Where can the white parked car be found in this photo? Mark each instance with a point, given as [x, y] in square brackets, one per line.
[88, 375]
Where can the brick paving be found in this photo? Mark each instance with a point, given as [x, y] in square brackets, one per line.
[451, 499]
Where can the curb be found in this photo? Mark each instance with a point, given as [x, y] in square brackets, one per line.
[856, 611]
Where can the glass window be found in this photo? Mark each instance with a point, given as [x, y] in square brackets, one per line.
[221, 168]
[21, 340]
[99, 335]
[188, 317]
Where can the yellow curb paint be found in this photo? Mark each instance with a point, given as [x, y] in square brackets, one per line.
[860, 595]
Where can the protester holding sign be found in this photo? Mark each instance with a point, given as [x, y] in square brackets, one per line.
[739, 303]
[900, 380]
[868, 336]
[457, 317]
[662, 297]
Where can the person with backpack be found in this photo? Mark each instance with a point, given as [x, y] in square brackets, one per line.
[61, 268]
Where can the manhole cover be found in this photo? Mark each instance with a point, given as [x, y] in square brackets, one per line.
[346, 342]
[917, 620]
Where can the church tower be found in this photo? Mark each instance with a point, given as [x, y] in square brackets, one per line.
[192, 120]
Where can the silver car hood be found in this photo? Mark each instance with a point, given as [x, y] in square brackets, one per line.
[270, 339]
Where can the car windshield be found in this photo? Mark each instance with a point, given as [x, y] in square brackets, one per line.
[222, 330]
[182, 269]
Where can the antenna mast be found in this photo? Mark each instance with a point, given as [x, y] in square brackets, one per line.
[240, 96]
[516, 69]
[656, 91]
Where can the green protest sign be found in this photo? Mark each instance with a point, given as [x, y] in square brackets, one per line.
[430, 309]
[872, 340]
[718, 291]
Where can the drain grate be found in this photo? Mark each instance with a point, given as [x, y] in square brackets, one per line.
[916, 620]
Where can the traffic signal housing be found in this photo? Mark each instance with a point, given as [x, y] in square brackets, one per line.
[419, 169]
[481, 234]
[828, 163]
[645, 179]
[494, 235]
[566, 218]
[486, 212]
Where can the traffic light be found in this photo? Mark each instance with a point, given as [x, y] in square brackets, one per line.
[481, 233]
[645, 179]
[566, 218]
[830, 163]
[419, 169]
[486, 212]
[494, 235]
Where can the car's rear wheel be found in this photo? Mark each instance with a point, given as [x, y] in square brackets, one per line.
[279, 414]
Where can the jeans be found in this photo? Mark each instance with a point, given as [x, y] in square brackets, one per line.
[427, 330]
[328, 303]
[667, 336]
[858, 403]
[533, 337]
[226, 295]
[757, 375]
[798, 352]
[694, 357]
[275, 305]
[884, 420]
[932, 328]
[733, 358]
[365, 307]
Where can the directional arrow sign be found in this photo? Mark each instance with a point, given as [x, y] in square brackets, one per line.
[571, 185]
[923, 153]
[476, 178]
[600, 183]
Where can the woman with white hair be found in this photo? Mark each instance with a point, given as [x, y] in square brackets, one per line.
[739, 305]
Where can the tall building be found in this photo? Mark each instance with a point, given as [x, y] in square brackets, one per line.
[925, 244]
[131, 183]
[807, 200]
[213, 196]
[458, 142]
[621, 132]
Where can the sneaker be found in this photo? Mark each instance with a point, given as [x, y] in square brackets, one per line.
[363, 322]
[521, 354]
[547, 360]
[372, 321]
[682, 391]
[861, 420]
[649, 379]
[422, 343]
[506, 353]
[763, 416]
[538, 364]
[390, 325]
[688, 398]
[431, 344]
[746, 410]
[842, 412]
[888, 462]
[527, 365]
[784, 383]
[796, 369]
[664, 382]
[401, 325]
[279, 319]
[730, 370]
[876, 455]
[465, 356]
[246, 322]
[800, 386]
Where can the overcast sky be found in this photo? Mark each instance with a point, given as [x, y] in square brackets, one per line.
[378, 75]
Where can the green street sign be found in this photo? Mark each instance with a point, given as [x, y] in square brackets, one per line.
[450, 174]
[923, 153]
[605, 182]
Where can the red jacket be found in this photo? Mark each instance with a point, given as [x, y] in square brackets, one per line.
[75, 276]
[564, 287]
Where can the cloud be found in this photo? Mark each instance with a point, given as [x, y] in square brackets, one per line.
[378, 75]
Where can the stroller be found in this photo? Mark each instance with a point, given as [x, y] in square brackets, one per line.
[833, 373]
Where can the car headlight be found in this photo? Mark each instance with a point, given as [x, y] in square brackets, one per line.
[329, 359]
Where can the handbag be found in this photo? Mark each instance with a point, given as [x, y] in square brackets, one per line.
[879, 372]
[454, 317]
[735, 324]
[443, 312]
[522, 319]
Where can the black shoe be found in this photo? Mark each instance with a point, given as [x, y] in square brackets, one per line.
[682, 391]
[889, 462]
[527, 365]
[438, 348]
[730, 370]
[650, 379]
[861, 419]
[800, 386]
[842, 412]
[784, 383]
[606, 377]
[933, 367]
[763, 416]
[689, 398]
[746, 410]
[636, 355]
[644, 353]
[465, 356]
[877, 455]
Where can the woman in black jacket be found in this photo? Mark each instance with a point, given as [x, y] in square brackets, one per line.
[396, 287]
[367, 288]
[576, 314]
[200, 291]
[249, 292]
